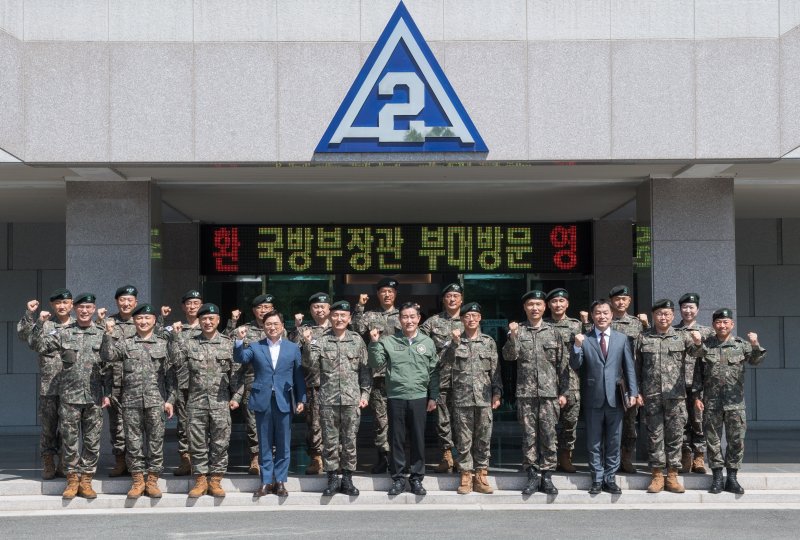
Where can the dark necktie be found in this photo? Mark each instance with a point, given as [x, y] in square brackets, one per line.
[603, 347]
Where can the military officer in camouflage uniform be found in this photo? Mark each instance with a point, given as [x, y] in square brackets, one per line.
[148, 391]
[694, 440]
[84, 387]
[440, 329]
[338, 357]
[718, 389]
[49, 368]
[319, 305]
[558, 303]
[662, 357]
[542, 386]
[387, 321]
[476, 390]
[212, 379]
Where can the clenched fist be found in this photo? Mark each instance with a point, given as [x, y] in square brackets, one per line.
[375, 334]
[362, 299]
[44, 316]
[165, 311]
[235, 314]
[456, 334]
[110, 325]
[584, 315]
[752, 337]
[513, 328]
[101, 313]
[241, 332]
[697, 339]
[579, 340]
[33, 305]
[298, 319]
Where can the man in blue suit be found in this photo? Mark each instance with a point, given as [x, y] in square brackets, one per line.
[608, 358]
[278, 386]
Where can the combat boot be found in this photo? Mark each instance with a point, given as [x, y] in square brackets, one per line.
[547, 485]
[533, 482]
[72, 486]
[48, 467]
[255, 468]
[137, 486]
[565, 461]
[200, 487]
[120, 467]
[333, 485]
[466, 483]
[382, 466]
[716, 481]
[672, 484]
[480, 482]
[446, 464]
[347, 486]
[627, 461]
[731, 484]
[85, 489]
[686, 460]
[214, 487]
[315, 466]
[151, 489]
[656, 481]
[698, 465]
[185, 467]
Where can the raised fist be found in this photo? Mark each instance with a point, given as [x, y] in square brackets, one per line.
[752, 337]
[513, 328]
[456, 333]
[307, 334]
[241, 332]
[235, 314]
[362, 299]
[584, 316]
[696, 337]
[110, 325]
[177, 327]
[375, 334]
[33, 305]
[643, 319]
[298, 319]
[101, 313]
[165, 311]
[44, 316]
[579, 340]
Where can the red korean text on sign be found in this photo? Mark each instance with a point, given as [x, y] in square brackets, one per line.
[226, 249]
[565, 240]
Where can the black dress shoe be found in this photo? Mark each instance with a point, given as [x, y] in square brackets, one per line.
[263, 491]
[611, 487]
[280, 489]
[596, 488]
[398, 487]
[416, 487]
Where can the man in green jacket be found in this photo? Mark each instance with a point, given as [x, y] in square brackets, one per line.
[412, 387]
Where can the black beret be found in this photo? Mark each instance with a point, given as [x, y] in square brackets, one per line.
[388, 282]
[453, 287]
[143, 309]
[208, 309]
[557, 293]
[536, 295]
[619, 290]
[85, 298]
[722, 313]
[664, 303]
[263, 299]
[126, 290]
[690, 298]
[341, 305]
[472, 306]
[60, 294]
[191, 295]
[320, 298]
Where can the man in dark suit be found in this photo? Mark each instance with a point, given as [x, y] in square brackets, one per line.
[608, 357]
[278, 386]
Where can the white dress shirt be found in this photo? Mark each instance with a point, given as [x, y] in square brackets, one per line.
[274, 350]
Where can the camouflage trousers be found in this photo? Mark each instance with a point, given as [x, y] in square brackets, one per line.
[182, 430]
[116, 424]
[314, 437]
[80, 424]
[377, 401]
[250, 421]
[209, 438]
[339, 430]
[694, 438]
[444, 432]
[538, 417]
[472, 431]
[49, 442]
[735, 424]
[568, 421]
[144, 429]
[665, 420]
[630, 425]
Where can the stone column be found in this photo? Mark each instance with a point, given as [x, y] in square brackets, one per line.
[613, 252]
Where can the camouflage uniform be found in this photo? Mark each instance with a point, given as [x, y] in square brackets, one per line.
[147, 383]
[84, 380]
[719, 383]
[49, 369]
[181, 378]
[631, 327]
[245, 377]
[388, 322]
[475, 379]
[694, 439]
[212, 380]
[439, 328]
[340, 366]
[569, 415]
[663, 360]
[116, 424]
[312, 410]
[542, 376]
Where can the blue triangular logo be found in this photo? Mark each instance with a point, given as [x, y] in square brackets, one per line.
[401, 101]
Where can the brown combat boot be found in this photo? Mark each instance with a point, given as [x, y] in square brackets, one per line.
[672, 484]
[214, 487]
[151, 489]
[48, 467]
[255, 468]
[466, 483]
[481, 483]
[657, 481]
[185, 467]
[686, 460]
[137, 486]
[627, 462]
[120, 467]
[200, 487]
[315, 466]
[698, 465]
[85, 489]
[446, 465]
[72, 486]
[565, 461]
